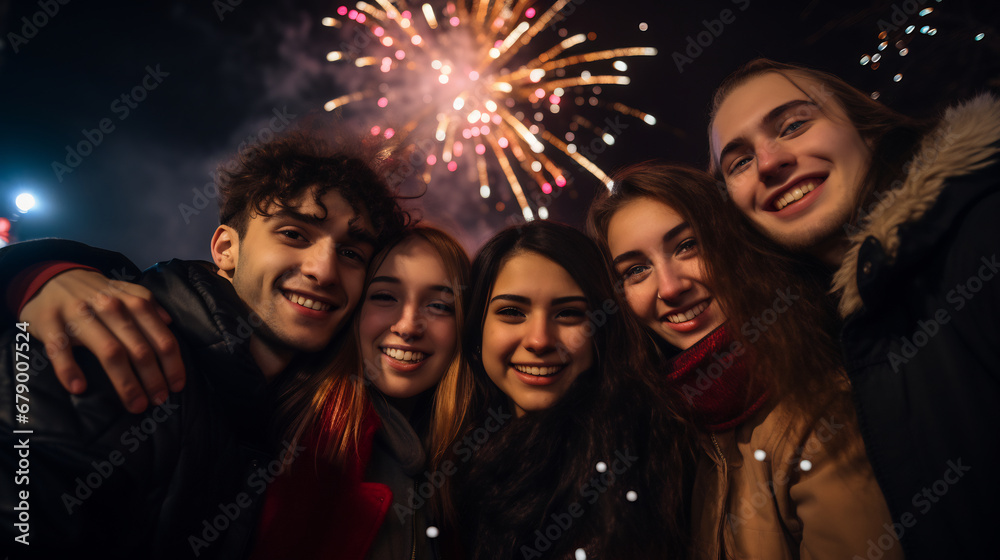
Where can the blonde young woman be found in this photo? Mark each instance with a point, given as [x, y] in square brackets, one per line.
[375, 422]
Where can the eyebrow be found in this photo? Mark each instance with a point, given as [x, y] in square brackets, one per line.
[674, 232]
[310, 219]
[355, 232]
[359, 234]
[527, 301]
[394, 280]
[768, 120]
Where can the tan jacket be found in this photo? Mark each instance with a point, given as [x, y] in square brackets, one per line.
[753, 492]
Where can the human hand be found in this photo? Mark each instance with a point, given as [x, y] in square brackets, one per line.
[120, 323]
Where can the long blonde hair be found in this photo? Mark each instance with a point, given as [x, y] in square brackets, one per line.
[332, 395]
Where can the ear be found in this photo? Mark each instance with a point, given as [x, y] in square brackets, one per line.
[226, 250]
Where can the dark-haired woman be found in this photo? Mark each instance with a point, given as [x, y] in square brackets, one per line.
[781, 471]
[904, 215]
[573, 449]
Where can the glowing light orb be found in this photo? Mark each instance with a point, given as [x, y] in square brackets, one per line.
[24, 202]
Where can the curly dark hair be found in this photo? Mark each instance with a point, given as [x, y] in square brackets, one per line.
[280, 171]
[531, 489]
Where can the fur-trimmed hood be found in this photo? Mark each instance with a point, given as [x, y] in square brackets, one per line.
[964, 140]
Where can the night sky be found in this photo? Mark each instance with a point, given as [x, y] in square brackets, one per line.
[213, 75]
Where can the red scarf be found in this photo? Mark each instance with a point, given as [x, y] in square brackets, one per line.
[713, 377]
[314, 509]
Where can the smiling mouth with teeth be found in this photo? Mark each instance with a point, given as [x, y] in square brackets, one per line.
[795, 195]
[306, 302]
[689, 314]
[545, 371]
[411, 356]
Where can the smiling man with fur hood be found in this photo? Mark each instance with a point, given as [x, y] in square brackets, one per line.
[906, 215]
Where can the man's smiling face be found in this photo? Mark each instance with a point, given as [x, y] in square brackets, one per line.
[794, 165]
[301, 270]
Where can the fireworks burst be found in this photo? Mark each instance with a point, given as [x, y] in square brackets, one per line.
[448, 75]
[903, 28]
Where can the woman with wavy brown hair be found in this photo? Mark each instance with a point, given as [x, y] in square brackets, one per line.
[903, 214]
[781, 471]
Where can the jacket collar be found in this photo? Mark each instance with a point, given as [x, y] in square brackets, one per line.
[965, 140]
[216, 326]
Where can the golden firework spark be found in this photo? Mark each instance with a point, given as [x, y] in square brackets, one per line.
[449, 70]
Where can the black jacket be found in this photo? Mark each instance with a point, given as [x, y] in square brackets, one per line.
[920, 290]
[180, 480]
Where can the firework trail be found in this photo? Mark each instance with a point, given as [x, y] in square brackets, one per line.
[468, 87]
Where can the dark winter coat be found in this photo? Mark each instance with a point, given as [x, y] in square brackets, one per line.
[920, 291]
[181, 480]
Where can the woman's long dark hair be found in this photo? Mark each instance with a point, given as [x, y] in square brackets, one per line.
[534, 478]
[795, 355]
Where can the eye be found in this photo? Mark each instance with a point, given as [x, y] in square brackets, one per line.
[382, 297]
[793, 127]
[353, 254]
[739, 164]
[688, 245]
[291, 234]
[441, 308]
[571, 314]
[632, 272]
[509, 313]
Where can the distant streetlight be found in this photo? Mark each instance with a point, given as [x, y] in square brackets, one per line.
[24, 202]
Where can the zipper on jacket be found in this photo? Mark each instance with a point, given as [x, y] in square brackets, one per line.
[718, 449]
[725, 479]
[413, 528]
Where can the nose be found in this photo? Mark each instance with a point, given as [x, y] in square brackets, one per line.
[320, 265]
[774, 161]
[409, 325]
[539, 339]
[671, 283]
